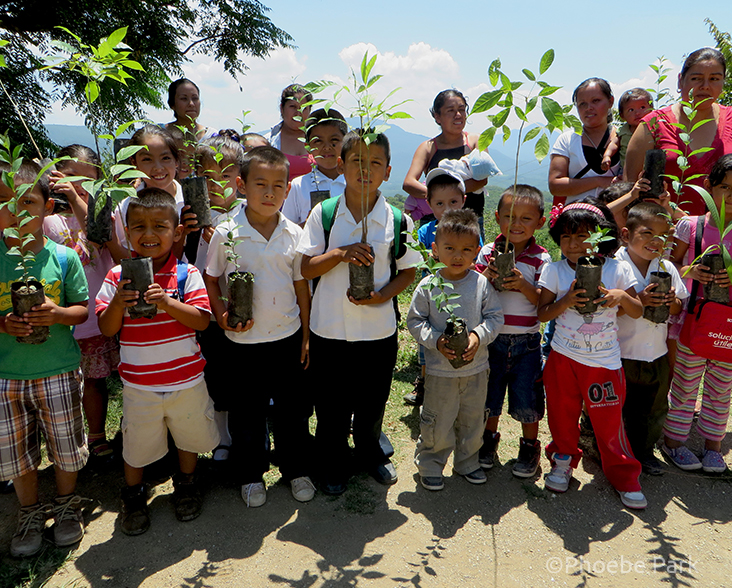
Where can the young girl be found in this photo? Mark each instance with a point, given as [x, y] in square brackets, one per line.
[99, 354]
[584, 364]
[159, 161]
[690, 368]
[450, 111]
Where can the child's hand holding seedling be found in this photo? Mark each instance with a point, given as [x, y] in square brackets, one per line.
[189, 221]
[470, 350]
[515, 281]
[46, 314]
[124, 298]
[15, 326]
[574, 298]
[356, 253]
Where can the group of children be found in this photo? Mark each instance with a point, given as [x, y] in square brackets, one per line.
[332, 352]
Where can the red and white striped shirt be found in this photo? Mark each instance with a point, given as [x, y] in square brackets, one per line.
[159, 354]
[520, 316]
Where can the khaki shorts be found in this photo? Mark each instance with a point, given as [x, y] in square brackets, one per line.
[147, 416]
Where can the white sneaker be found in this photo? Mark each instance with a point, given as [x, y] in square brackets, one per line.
[558, 479]
[633, 499]
[254, 494]
[303, 489]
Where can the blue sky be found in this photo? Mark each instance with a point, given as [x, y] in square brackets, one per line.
[425, 47]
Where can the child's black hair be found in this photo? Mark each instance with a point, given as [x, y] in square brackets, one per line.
[719, 170]
[442, 97]
[247, 136]
[27, 174]
[353, 138]
[173, 88]
[264, 155]
[577, 220]
[329, 118]
[81, 153]
[524, 193]
[441, 181]
[153, 198]
[291, 92]
[634, 94]
[230, 134]
[461, 221]
[232, 152]
[645, 212]
[614, 191]
[155, 131]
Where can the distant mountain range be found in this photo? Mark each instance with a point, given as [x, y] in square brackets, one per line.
[403, 146]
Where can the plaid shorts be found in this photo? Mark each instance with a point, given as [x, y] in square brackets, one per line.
[51, 406]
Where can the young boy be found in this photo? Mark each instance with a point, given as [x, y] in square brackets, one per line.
[249, 141]
[445, 191]
[39, 385]
[324, 132]
[275, 341]
[161, 364]
[355, 341]
[222, 175]
[633, 106]
[452, 416]
[515, 356]
[642, 342]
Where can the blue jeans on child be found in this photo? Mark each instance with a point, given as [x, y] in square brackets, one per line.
[516, 364]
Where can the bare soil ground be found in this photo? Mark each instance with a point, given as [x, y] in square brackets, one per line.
[508, 532]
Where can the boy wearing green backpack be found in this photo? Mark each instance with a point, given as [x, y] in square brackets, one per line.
[354, 342]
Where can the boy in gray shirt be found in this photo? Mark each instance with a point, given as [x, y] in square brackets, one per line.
[453, 414]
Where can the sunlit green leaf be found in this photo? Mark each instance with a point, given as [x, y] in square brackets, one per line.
[546, 61]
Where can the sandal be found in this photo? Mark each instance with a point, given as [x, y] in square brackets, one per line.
[100, 450]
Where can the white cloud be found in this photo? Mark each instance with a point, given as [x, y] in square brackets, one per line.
[421, 74]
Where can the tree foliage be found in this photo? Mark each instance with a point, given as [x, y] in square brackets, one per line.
[164, 35]
[724, 44]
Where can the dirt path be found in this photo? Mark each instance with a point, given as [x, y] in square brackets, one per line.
[506, 533]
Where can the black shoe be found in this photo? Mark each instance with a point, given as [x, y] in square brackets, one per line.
[416, 396]
[333, 488]
[528, 458]
[487, 453]
[135, 516]
[653, 466]
[187, 497]
[385, 474]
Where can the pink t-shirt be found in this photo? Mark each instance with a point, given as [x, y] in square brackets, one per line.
[667, 137]
[96, 262]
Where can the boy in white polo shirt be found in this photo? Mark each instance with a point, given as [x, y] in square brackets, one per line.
[354, 342]
[324, 132]
[642, 342]
[515, 355]
[275, 341]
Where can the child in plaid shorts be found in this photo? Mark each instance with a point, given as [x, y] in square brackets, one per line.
[39, 386]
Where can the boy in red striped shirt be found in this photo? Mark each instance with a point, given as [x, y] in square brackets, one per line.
[161, 363]
[515, 355]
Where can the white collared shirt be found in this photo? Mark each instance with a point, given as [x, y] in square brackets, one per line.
[297, 205]
[333, 316]
[275, 265]
[639, 338]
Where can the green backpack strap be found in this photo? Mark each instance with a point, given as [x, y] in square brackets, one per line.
[399, 248]
[329, 209]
